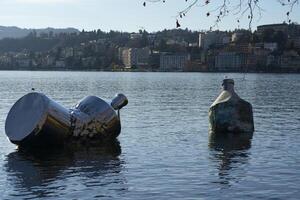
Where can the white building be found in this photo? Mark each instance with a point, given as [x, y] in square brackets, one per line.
[176, 42]
[206, 39]
[5, 60]
[135, 36]
[236, 36]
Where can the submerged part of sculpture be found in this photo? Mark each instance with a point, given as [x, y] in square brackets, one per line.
[36, 120]
[230, 113]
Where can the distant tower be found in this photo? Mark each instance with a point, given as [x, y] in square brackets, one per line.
[201, 39]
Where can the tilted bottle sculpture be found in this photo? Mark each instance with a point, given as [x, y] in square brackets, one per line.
[229, 113]
[36, 120]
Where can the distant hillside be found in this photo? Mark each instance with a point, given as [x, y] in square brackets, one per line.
[15, 32]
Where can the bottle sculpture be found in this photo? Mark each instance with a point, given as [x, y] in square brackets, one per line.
[229, 113]
[36, 120]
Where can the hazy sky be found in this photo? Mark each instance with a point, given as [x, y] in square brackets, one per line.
[124, 15]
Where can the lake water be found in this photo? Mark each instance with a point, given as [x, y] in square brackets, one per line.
[165, 151]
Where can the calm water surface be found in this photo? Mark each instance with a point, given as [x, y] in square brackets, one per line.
[163, 150]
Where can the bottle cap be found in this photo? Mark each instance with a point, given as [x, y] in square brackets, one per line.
[228, 81]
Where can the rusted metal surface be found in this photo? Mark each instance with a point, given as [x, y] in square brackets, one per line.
[230, 113]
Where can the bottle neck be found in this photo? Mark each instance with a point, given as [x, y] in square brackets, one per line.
[229, 87]
[119, 101]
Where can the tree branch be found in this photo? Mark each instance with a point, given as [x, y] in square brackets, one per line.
[251, 8]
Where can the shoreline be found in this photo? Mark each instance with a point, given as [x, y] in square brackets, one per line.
[151, 71]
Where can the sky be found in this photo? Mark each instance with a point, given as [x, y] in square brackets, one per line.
[126, 15]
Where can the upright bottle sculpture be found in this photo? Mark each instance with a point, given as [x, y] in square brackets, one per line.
[229, 113]
[36, 120]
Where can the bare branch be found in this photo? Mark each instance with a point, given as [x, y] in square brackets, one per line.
[241, 8]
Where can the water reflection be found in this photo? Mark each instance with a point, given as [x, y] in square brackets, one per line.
[230, 153]
[230, 141]
[35, 171]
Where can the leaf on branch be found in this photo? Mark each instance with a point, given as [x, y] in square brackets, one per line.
[177, 24]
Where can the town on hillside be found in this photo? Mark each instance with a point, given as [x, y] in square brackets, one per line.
[270, 48]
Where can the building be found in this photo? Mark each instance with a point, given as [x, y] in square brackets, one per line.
[288, 29]
[60, 64]
[275, 27]
[230, 61]
[273, 61]
[154, 60]
[151, 37]
[258, 59]
[207, 39]
[173, 62]
[290, 61]
[135, 57]
[23, 62]
[101, 41]
[195, 66]
[6, 60]
[67, 52]
[240, 47]
[78, 52]
[177, 42]
[236, 36]
[272, 46]
[135, 36]
[125, 57]
[226, 40]
[88, 62]
[294, 42]
[50, 61]
[120, 53]
[194, 44]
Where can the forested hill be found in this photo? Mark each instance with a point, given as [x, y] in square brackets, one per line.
[16, 32]
[44, 41]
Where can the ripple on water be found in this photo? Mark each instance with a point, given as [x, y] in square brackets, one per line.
[166, 153]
